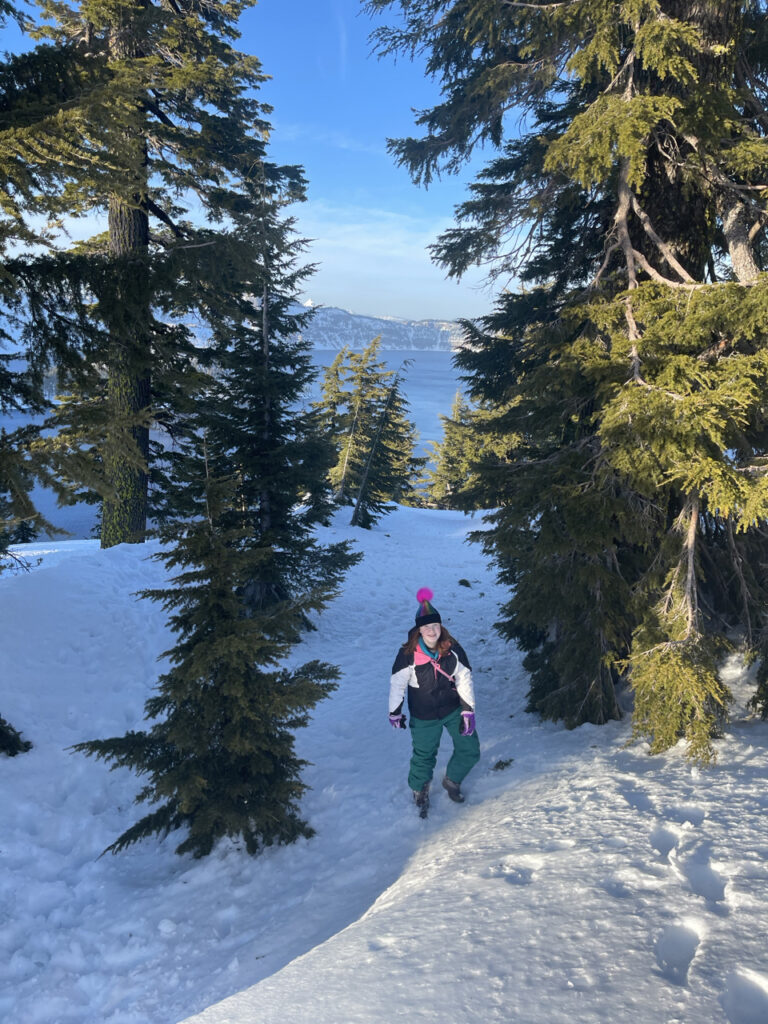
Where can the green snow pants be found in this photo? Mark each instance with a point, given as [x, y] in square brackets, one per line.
[426, 735]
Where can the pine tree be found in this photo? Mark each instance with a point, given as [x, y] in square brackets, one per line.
[376, 442]
[333, 397]
[20, 388]
[246, 485]
[11, 742]
[390, 463]
[624, 383]
[451, 475]
[352, 411]
[21, 380]
[155, 115]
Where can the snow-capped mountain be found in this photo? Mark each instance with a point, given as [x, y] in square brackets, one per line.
[333, 328]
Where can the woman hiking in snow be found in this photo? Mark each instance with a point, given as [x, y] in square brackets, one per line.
[434, 670]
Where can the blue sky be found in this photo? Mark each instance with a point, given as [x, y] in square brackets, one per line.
[334, 107]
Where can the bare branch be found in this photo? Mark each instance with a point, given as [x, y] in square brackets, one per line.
[628, 63]
[540, 7]
[166, 244]
[661, 245]
[163, 216]
[634, 337]
[621, 222]
[608, 253]
[153, 106]
[737, 561]
[756, 228]
[654, 274]
[691, 590]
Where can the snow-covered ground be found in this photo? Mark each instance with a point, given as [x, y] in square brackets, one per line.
[582, 881]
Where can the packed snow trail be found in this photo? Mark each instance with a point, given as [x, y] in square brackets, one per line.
[553, 902]
[146, 936]
[582, 880]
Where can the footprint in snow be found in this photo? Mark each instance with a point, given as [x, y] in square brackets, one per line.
[637, 798]
[687, 813]
[518, 876]
[703, 879]
[675, 949]
[745, 997]
[514, 871]
[664, 841]
[616, 887]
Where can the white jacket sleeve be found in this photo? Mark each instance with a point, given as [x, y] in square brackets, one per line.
[463, 678]
[397, 687]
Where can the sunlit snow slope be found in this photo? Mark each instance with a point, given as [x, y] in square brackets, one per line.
[582, 882]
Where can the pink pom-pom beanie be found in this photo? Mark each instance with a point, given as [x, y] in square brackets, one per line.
[426, 612]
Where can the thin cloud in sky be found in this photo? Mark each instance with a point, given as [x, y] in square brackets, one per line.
[334, 106]
[371, 260]
[376, 261]
[366, 227]
[342, 39]
[329, 137]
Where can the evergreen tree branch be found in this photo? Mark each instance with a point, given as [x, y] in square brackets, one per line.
[746, 78]
[161, 215]
[734, 213]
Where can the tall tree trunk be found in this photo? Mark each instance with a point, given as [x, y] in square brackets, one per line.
[338, 496]
[736, 229]
[124, 513]
[126, 449]
[264, 502]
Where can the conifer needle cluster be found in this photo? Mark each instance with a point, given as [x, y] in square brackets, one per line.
[182, 386]
[364, 413]
[621, 384]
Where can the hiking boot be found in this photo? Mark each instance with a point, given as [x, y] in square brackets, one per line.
[421, 799]
[453, 789]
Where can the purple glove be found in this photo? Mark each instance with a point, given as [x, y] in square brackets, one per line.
[397, 721]
[467, 726]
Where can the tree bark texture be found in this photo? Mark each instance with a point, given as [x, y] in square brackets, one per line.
[124, 513]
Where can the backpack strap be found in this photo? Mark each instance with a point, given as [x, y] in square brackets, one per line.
[420, 657]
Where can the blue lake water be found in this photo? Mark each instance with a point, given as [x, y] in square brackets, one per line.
[430, 383]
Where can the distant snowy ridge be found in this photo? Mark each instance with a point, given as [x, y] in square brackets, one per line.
[333, 328]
